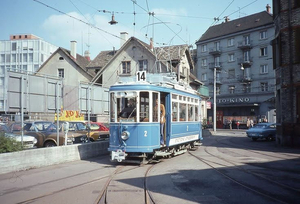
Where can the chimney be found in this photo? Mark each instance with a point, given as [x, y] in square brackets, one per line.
[268, 7]
[226, 19]
[151, 44]
[73, 49]
[87, 55]
[123, 36]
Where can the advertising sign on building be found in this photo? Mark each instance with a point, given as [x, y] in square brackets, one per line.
[70, 115]
[208, 105]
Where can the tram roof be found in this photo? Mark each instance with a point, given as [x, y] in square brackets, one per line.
[165, 80]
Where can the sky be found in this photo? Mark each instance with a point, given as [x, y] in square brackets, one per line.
[168, 22]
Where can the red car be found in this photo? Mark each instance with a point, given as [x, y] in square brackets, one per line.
[102, 127]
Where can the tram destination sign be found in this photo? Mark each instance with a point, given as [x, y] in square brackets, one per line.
[234, 100]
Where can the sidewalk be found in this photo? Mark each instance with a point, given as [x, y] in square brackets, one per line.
[209, 132]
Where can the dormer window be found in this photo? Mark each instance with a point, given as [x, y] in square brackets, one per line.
[61, 58]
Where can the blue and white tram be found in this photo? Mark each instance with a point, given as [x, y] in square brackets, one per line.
[135, 127]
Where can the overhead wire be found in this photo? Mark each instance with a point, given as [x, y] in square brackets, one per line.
[77, 19]
[222, 13]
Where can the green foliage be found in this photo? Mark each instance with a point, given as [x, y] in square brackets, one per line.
[8, 144]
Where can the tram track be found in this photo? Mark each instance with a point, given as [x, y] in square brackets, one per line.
[104, 196]
[219, 165]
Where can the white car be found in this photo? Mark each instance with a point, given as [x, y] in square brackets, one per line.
[28, 141]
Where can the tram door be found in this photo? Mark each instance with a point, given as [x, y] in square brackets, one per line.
[165, 100]
[219, 119]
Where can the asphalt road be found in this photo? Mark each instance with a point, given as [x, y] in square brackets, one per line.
[227, 168]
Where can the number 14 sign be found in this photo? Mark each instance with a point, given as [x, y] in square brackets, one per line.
[141, 76]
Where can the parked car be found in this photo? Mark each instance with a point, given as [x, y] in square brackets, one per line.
[81, 127]
[28, 141]
[44, 131]
[262, 131]
[103, 129]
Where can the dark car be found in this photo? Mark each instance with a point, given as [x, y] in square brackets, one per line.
[44, 131]
[262, 131]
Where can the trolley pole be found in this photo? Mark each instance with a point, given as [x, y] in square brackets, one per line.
[215, 98]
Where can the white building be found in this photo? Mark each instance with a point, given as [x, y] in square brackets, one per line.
[24, 52]
[21, 53]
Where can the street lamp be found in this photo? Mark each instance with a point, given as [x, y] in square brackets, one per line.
[215, 98]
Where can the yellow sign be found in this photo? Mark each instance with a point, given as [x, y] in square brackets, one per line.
[70, 115]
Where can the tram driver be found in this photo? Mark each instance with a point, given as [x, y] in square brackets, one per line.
[129, 110]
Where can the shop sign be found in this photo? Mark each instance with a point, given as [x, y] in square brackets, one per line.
[70, 115]
[234, 100]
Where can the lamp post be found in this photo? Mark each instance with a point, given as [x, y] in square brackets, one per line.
[215, 98]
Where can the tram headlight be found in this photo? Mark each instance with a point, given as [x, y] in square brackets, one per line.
[125, 135]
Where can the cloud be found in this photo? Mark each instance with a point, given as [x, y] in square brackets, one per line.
[94, 32]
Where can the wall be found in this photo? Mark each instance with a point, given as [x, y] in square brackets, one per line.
[35, 158]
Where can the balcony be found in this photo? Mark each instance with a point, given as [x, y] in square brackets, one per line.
[246, 62]
[245, 45]
[217, 65]
[245, 79]
[218, 81]
[215, 51]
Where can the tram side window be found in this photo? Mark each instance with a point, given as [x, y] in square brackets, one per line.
[174, 111]
[191, 112]
[112, 107]
[182, 112]
[197, 113]
[144, 107]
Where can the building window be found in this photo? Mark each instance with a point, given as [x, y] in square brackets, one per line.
[230, 42]
[126, 67]
[25, 57]
[20, 36]
[61, 73]
[263, 51]
[263, 35]
[2, 58]
[30, 56]
[14, 46]
[204, 77]
[14, 37]
[247, 40]
[231, 57]
[7, 57]
[204, 48]
[13, 58]
[231, 73]
[217, 61]
[204, 62]
[218, 92]
[61, 58]
[264, 69]
[231, 89]
[143, 65]
[264, 86]
[25, 36]
[247, 88]
[247, 56]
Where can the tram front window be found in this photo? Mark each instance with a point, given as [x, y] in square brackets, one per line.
[126, 109]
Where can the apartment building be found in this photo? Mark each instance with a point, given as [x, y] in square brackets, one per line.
[235, 58]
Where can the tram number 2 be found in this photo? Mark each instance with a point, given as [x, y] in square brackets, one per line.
[141, 76]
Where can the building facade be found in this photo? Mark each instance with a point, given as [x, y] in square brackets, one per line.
[235, 58]
[286, 47]
[21, 53]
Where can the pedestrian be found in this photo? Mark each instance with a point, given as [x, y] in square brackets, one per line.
[251, 123]
[162, 120]
[248, 123]
[230, 124]
[238, 125]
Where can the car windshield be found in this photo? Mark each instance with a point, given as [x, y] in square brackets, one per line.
[260, 126]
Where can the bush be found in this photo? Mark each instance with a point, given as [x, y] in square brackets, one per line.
[8, 144]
